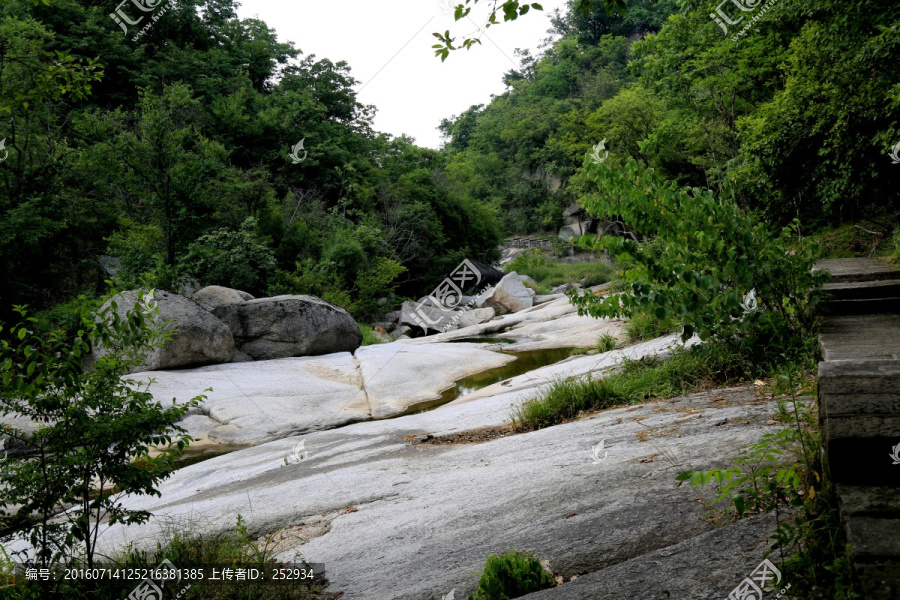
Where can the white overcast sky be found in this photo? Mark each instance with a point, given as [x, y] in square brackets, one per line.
[388, 48]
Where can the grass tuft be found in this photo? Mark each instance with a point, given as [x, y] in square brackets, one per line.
[687, 370]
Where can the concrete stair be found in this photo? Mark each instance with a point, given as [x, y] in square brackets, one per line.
[859, 412]
[861, 286]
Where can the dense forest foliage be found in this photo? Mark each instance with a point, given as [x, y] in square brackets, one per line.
[171, 151]
[796, 117]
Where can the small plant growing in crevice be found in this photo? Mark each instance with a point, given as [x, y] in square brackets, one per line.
[511, 575]
[606, 343]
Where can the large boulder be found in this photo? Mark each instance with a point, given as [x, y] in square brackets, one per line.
[214, 296]
[199, 338]
[284, 326]
[510, 295]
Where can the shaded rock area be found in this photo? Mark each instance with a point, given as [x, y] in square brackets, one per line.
[706, 567]
[286, 326]
[199, 338]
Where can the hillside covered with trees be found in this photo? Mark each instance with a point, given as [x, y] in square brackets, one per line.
[172, 153]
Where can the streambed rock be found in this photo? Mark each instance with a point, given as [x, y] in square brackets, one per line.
[510, 295]
[417, 505]
[199, 337]
[286, 326]
[426, 318]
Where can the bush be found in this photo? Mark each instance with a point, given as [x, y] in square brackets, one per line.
[323, 280]
[549, 274]
[235, 259]
[511, 575]
[97, 428]
[368, 336]
[714, 270]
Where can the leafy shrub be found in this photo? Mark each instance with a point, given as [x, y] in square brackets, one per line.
[373, 283]
[369, 337]
[323, 281]
[709, 258]
[312, 278]
[642, 326]
[549, 274]
[511, 575]
[140, 249]
[236, 259]
[97, 430]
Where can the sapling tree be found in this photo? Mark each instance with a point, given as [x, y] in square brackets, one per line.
[82, 433]
[716, 271]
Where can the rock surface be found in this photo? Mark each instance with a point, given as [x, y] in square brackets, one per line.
[200, 338]
[475, 316]
[510, 295]
[213, 296]
[286, 326]
[253, 402]
[419, 505]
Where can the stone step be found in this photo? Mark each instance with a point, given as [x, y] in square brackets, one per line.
[860, 290]
[861, 337]
[865, 306]
[858, 269]
[875, 554]
[859, 412]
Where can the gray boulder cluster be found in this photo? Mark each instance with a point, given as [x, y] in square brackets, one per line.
[425, 316]
[221, 325]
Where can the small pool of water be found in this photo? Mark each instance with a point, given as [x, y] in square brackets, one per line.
[192, 456]
[525, 362]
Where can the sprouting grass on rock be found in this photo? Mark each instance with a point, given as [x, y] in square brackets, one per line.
[686, 371]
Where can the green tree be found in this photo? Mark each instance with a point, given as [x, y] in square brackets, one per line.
[236, 259]
[88, 429]
[157, 162]
[717, 271]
